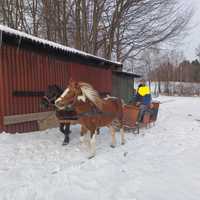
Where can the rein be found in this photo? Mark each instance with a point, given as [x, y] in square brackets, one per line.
[49, 100]
[93, 113]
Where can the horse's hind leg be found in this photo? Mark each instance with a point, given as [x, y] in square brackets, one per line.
[92, 144]
[122, 135]
[66, 133]
[83, 133]
[112, 130]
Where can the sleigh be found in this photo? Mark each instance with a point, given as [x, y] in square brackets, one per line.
[131, 113]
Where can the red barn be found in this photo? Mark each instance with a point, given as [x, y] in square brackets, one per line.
[29, 64]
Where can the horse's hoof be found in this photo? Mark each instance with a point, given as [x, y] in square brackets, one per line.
[90, 157]
[112, 146]
[65, 143]
[82, 139]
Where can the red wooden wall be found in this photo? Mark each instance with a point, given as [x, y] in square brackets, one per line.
[101, 79]
[1, 93]
[22, 70]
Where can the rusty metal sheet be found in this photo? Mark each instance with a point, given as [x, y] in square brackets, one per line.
[24, 70]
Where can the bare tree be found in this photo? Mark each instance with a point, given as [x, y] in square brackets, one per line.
[198, 51]
[148, 23]
[12, 13]
[118, 29]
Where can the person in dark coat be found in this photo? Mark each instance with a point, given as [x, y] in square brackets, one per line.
[143, 99]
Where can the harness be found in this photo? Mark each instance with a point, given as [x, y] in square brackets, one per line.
[50, 101]
[94, 112]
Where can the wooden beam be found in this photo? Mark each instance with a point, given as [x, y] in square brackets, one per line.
[16, 119]
[50, 122]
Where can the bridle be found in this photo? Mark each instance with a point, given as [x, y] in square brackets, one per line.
[50, 100]
[74, 100]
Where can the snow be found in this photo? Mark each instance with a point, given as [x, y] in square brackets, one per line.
[161, 163]
[50, 43]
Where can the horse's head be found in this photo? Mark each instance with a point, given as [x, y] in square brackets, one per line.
[52, 93]
[78, 92]
[69, 96]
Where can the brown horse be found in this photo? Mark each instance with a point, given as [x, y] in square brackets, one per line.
[93, 111]
[65, 117]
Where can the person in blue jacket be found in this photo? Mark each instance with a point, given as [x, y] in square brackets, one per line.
[143, 99]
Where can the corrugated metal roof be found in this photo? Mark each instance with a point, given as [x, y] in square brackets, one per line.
[49, 44]
[127, 74]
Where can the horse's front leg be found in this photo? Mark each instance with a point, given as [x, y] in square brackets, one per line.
[98, 131]
[66, 133]
[112, 130]
[62, 128]
[92, 144]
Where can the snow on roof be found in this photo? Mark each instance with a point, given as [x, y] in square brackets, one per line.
[51, 44]
[127, 74]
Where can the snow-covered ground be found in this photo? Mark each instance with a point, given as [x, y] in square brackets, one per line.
[162, 163]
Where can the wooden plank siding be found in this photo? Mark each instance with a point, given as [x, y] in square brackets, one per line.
[1, 92]
[26, 70]
[101, 79]
[122, 87]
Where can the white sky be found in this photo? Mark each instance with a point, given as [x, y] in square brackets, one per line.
[192, 40]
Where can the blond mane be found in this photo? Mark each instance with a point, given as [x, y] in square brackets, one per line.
[90, 93]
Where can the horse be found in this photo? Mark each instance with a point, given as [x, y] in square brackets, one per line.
[48, 100]
[93, 111]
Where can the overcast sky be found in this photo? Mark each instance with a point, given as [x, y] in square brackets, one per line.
[193, 38]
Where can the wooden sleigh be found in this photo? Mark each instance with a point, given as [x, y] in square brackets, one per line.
[131, 113]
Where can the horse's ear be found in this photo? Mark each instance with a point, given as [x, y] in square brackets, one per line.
[72, 83]
[71, 80]
[76, 84]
